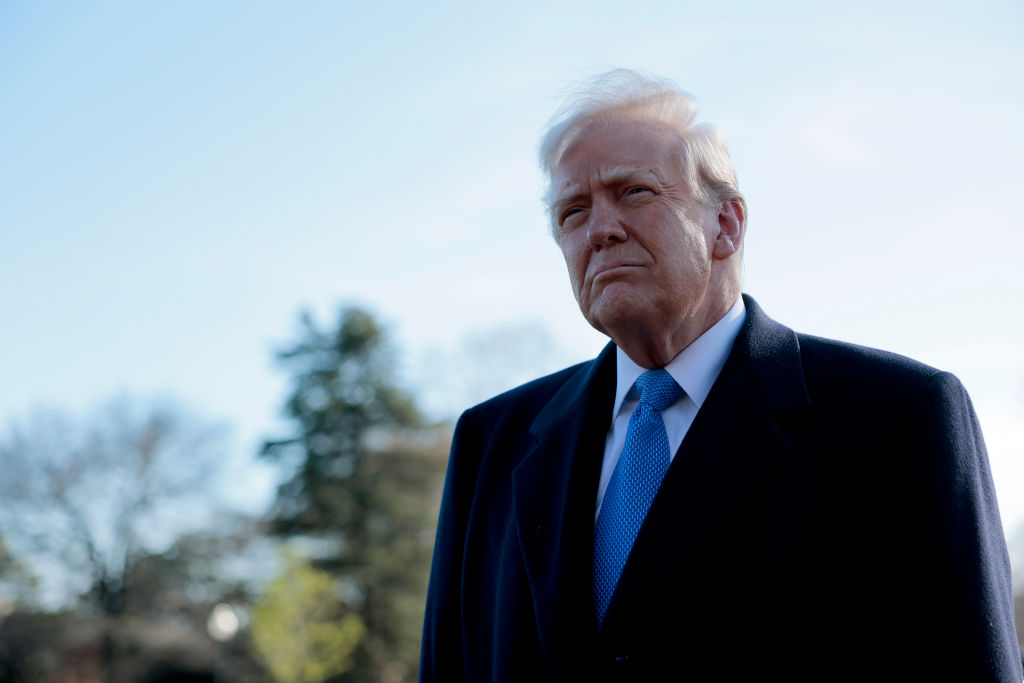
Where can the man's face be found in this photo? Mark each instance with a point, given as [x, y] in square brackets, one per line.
[638, 247]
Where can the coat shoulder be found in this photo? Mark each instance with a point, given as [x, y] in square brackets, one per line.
[851, 367]
[866, 393]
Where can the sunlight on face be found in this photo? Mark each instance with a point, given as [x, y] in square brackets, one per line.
[637, 246]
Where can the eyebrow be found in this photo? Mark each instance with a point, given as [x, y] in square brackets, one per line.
[613, 176]
[619, 174]
[568, 195]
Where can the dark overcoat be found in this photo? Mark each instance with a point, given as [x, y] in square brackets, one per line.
[830, 515]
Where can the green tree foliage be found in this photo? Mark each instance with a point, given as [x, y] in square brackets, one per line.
[300, 627]
[367, 474]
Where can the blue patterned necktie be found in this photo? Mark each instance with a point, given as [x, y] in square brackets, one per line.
[637, 476]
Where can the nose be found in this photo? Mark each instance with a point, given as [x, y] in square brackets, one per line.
[606, 227]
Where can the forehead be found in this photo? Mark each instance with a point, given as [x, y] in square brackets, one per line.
[604, 148]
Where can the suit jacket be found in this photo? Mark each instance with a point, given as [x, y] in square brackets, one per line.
[830, 515]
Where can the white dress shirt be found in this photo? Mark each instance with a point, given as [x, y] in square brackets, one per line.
[695, 369]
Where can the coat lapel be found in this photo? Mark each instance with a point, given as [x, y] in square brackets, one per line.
[733, 448]
[555, 490]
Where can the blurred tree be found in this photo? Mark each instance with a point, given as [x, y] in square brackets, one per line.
[187, 579]
[18, 632]
[300, 627]
[17, 582]
[367, 476]
[95, 497]
[163, 630]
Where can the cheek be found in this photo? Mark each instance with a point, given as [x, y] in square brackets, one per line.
[695, 266]
[575, 262]
[687, 256]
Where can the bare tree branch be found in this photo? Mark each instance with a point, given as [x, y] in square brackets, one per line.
[95, 495]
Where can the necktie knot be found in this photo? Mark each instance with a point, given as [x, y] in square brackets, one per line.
[658, 389]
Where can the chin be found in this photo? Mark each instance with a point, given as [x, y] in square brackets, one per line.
[608, 314]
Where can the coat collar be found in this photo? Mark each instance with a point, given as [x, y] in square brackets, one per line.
[769, 354]
[734, 444]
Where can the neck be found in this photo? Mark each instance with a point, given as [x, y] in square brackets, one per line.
[654, 346]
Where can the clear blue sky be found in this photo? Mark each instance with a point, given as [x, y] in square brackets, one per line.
[178, 179]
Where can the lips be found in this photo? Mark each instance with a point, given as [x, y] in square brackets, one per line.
[613, 269]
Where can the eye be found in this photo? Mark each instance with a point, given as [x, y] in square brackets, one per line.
[637, 189]
[569, 213]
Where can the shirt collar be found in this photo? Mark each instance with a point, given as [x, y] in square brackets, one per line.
[695, 368]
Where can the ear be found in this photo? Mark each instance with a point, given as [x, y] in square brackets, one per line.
[732, 221]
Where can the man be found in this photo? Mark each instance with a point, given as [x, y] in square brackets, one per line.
[714, 497]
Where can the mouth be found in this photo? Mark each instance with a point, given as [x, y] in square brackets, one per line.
[615, 270]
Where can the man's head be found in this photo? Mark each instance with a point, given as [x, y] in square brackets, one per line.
[646, 210]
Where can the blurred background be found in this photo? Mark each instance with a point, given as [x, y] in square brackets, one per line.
[256, 258]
